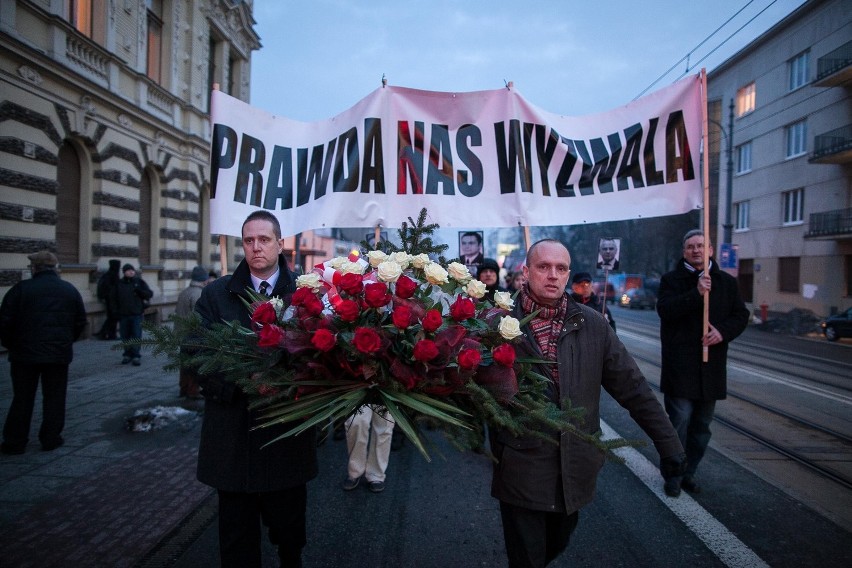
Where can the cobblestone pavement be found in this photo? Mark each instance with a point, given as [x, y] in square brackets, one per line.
[109, 495]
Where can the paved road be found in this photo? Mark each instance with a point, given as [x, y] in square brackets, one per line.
[111, 497]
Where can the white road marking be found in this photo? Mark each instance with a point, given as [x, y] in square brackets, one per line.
[727, 547]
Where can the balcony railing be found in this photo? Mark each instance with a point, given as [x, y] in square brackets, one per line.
[834, 146]
[830, 224]
[834, 68]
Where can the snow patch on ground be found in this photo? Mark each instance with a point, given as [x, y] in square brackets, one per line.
[157, 417]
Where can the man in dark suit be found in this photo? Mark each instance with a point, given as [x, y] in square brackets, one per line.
[608, 255]
[254, 484]
[470, 249]
[40, 319]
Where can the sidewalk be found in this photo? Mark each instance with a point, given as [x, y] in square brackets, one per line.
[108, 496]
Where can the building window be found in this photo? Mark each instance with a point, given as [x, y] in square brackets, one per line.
[744, 158]
[742, 215]
[745, 279]
[794, 206]
[746, 99]
[88, 17]
[788, 274]
[155, 40]
[69, 178]
[798, 71]
[796, 134]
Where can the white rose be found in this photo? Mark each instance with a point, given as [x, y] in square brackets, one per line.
[337, 262]
[311, 280]
[376, 257]
[349, 267]
[403, 259]
[459, 272]
[420, 260]
[504, 300]
[476, 289]
[389, 271]
[435, 274]
[509, 327]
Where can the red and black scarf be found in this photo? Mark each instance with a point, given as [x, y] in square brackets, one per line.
[545, 327]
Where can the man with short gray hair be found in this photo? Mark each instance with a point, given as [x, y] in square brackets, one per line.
[40, 318]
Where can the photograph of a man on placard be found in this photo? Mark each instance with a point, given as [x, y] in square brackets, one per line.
[471, 249]
[371, 238]
[609, 251]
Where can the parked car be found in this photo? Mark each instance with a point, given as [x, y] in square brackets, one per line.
[838, 325]
[638, 298]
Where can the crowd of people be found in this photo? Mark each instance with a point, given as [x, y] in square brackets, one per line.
[540, 486]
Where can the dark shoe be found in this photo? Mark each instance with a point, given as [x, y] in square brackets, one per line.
[52, 445]
[349, 484]
[690, 485]
[125, 360]
[11, 450]
[376, 486]
[136, 362]
[672, 487]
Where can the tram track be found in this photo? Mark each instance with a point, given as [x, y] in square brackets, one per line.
[828, 440]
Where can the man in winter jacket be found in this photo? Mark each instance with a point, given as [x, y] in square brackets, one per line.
[106, 283]
[40, 319]
[542, 486]
[254, 484]
[581, 292]
[690, 386]
[129, 300]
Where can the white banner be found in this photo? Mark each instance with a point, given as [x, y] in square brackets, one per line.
[480, 159]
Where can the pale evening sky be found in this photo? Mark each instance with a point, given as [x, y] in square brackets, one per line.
[569, 57]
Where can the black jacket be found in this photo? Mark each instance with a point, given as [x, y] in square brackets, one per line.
[595, 303]
[680, 306]
[129, 296]
[40, 319]
[230, 456]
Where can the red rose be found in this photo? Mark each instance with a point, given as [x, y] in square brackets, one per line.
[462, 309]
[348, 310]
[469, 358]
[263, 314]
[401, 316]
[376, 295]
[425, 350]
[351, 283]
[366, 340]
[312, 305]
[323, 340]
[270, 336]
[302, 294]
[432, 321]
[505, 355]
[405, 287]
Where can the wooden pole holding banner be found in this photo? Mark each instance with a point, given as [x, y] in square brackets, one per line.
[376, 234]
[223, 240]
[705, 354]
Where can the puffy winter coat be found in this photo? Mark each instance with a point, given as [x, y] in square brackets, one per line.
[129, 296]
[230, 456]
[681, 310]
[40, 319]
[535, 474]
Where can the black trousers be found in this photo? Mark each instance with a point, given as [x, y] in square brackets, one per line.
[25, 380]
[535, 538]
[240, 516]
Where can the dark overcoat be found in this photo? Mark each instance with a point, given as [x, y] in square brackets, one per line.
[538, 475]
[40, 319]
[129, 295]
[230, 455]
[681, 310]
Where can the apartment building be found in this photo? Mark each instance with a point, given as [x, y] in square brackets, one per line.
[781, 152]
[104, 134]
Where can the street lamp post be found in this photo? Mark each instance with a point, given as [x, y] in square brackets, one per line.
[729, 189]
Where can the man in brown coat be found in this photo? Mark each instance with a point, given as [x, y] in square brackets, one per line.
[542, 486]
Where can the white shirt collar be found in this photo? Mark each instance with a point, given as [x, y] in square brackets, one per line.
[272, 280]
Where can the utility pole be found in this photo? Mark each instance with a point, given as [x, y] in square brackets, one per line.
[729, 189]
